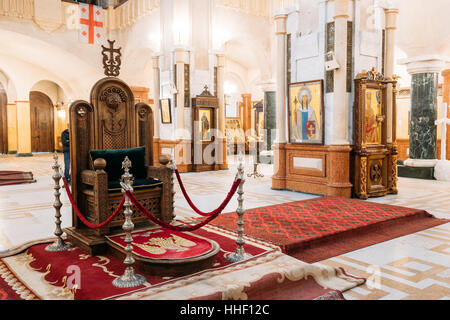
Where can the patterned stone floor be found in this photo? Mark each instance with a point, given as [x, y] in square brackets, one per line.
[416, 266]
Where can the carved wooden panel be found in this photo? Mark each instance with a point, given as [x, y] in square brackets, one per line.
[113, 104]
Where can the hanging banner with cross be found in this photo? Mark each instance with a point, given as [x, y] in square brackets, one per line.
[91, 24]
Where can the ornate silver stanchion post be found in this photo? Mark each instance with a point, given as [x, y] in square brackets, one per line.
[255, 174]
[59, 244]
[129, 279]
[240, 254]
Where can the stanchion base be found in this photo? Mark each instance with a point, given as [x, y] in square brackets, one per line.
[129, 280]
[58, 247]
[235, 257]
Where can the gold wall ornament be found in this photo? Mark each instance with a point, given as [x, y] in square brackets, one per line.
[363, 190]
[59, 244]
[394, 176]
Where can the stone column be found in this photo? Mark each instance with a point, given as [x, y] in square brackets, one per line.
[269, 114]
[391, 27]
[266, 154]
[340, 107]
[280, 21]
[157, 108]
[23, 129]
[446, 99]
[180, 58]
[12, 128]
[279, 177]
[183, 149]
[424, 87]
[247, 103]
[221, 96]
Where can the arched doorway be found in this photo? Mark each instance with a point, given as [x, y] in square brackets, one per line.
[3, 121]
[42, 122]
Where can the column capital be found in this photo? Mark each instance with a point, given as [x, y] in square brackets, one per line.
[280, 22]
[446, 74]
[220, 60]
[391, 18]
[155, 61]
[180, 54]
[424, 64]
[268, 86]
[341, 9]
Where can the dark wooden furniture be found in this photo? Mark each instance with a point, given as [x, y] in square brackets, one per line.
[42, 122]
[374, 160]
[204, 124]
[112, 121]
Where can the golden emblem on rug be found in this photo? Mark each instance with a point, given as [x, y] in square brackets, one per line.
[161, 245]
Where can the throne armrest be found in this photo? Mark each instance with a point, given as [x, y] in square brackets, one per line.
[161, 173]
[164, 174]
[88, 177]
[98, 180]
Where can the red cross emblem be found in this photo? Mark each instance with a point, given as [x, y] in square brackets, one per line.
[91, 23]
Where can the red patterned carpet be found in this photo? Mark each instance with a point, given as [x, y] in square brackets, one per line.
[269, 275]
[321, 228]
[8, 178]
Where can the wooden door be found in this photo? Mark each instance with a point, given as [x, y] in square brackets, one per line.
[3, 122]
[42, 125]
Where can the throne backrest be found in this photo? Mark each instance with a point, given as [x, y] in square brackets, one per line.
[111, 121]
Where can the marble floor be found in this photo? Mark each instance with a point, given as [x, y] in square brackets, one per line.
[416, 266]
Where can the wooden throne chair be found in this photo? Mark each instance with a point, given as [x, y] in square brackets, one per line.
[102, 133]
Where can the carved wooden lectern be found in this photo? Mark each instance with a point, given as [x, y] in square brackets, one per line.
[204, 123]
[374, 158]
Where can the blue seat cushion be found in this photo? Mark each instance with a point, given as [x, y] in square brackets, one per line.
[114, 186]
[114, 159]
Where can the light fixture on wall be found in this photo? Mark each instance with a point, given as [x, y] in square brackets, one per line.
[173, 90]
[332, 63]
[60, 110]
[61, 114]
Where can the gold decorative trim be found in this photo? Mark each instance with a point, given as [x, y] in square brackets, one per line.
[13, 281]
[363, 177]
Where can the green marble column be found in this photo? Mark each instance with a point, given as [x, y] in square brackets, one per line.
[422, 138]
[270, 117]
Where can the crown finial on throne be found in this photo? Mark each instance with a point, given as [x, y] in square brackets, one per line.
[111, 59]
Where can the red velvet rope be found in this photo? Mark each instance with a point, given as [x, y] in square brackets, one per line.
[83, 219]
[192, 205]
[184, 229]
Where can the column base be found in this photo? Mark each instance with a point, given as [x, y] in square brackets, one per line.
[12, 152]
[279, 177]
[224, 165]
[421, 163]
[425, 173]
[24, 154]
